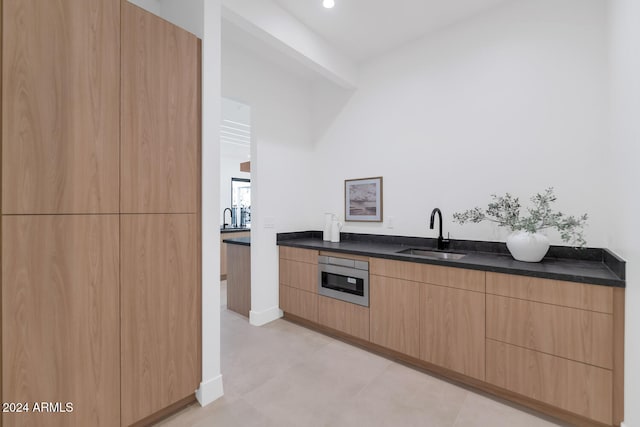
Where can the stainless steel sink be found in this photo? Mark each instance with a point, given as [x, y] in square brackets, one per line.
[431, 254]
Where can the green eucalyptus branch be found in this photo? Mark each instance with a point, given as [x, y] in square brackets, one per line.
[505, 211]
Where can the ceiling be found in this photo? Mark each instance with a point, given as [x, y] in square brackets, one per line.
[362, 29]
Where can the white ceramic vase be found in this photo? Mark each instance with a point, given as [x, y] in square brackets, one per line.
[526, 246]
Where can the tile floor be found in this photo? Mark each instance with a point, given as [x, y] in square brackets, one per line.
[282, 375]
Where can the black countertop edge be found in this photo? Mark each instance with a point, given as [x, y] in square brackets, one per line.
[233, 230]
[615, 263]
[243, 241]
[590, 265]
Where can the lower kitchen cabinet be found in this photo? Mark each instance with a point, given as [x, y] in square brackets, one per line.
[239, 279]
[299, 303]
[224, 248]
[580, 335]
[452, 329]
[576, 387]
[394, 313]
[554, 346]
[557, 342]
[299, 282]
[352, 319]
[160, 312]
[60, 317]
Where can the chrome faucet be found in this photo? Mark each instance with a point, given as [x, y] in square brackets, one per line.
[442, 242]
[224, 214]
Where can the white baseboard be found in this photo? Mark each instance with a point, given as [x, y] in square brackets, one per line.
[622, 424]
[259, 318]
[210, 391]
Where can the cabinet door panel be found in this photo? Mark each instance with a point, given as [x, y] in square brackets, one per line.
[343, 316]
[394, 314]
[223, 249]
[160, 312]
[581, 335]
[239, 280]
[452, 331]
[160, 115]
[299, 303]
[60, 106]
[577, 387]
[60, 325]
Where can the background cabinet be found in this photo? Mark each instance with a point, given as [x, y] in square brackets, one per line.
[239, 280]
[224, 249]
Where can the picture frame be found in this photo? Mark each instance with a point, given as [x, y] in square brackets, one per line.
[363, 199]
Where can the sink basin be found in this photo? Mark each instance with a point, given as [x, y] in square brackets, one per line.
[431, 254]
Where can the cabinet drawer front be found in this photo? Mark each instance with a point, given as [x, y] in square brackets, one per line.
[342, 316]
[580, 335]
[299, 303]
[299, 275]
[394, 314]
[569, 294]
[296, 254]
[573, 386]
[461, 278]
[452, 329]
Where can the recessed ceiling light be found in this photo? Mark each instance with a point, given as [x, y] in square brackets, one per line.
[328, 3]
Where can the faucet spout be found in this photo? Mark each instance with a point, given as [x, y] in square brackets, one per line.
[224, 217]
[442, 242]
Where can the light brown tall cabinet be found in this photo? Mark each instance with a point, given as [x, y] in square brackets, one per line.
[100, 292]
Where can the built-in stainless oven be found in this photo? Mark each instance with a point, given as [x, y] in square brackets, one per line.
[344, 279]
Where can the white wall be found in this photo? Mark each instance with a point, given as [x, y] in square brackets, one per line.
[511, 100]
[232, 153]
[281, 157]
[152, 6]
[230, 168]
[623, 184]
[186, 14]
[211, 387]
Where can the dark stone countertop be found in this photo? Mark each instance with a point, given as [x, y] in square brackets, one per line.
[243, 241]
[233, 229]
[591, 265]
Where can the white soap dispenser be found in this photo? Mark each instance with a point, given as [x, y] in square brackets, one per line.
[336, 227]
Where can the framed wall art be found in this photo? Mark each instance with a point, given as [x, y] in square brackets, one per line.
[363, 199]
